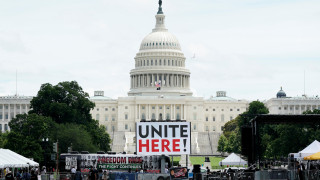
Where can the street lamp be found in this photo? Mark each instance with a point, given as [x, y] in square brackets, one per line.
[45, 142]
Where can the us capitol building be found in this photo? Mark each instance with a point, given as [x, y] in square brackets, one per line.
[160, 91]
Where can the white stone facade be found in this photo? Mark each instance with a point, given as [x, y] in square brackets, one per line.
[159, 91]
[207, 116]
[10, 106]
[292, 105]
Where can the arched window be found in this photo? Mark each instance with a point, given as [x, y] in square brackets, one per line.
[160, 62]
[143, 116]
[156, 62]
[153, 116]
[160, 116]
[164, 62]
[151, 62]
[144, 62]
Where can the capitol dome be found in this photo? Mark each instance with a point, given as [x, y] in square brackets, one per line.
[281, 94]
[160, 64]
[160, 40]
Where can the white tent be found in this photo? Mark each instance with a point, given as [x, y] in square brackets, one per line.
[233, 159]
[9, 158]
[311, 149]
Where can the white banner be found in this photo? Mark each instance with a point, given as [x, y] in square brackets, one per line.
[169, 138]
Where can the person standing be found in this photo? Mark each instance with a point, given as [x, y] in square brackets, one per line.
[9, 175]
[78, 175]
[73, 172]
[105, 175]
[18, 175]
[299, 171]
[34, 176]
[26, 175]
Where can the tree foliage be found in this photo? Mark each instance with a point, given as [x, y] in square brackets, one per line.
[231, 139]
[60, 113]
[275, 140]
[65, 102]
[27, 132]
[3, 139]
[74, 135]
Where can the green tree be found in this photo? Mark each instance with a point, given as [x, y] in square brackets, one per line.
[26, 134]
[74, 135]
[280, 140]
[255, 108]
[232, 129]
[65, 102]
[222, 143]
[315, 111]
[3, 139]
[230, 126]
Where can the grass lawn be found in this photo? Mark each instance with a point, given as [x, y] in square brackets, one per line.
[200, 160]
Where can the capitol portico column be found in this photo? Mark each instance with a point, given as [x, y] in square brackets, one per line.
[152, 81]
[300, 109]
[14, 110]
[157, 113]
[149, 111]
[162, 79]
[171, 112]
[157, 78]
[3, 112]
[138, 111]
[134, 81]
[143, 80]
[133, 86]
[9, 111]
[184, 112]
[188, 81]
[137, 85]
[174, 111]
[167, 80]
[181, 112]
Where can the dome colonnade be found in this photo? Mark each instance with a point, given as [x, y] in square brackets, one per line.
[160, 63]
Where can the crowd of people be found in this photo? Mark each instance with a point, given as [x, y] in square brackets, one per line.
[20, 173]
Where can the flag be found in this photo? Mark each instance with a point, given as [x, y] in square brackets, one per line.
[158, 85]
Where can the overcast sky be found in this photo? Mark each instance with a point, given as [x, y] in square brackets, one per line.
[248, 48]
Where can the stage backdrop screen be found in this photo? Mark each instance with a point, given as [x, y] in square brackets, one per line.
[154, 138]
